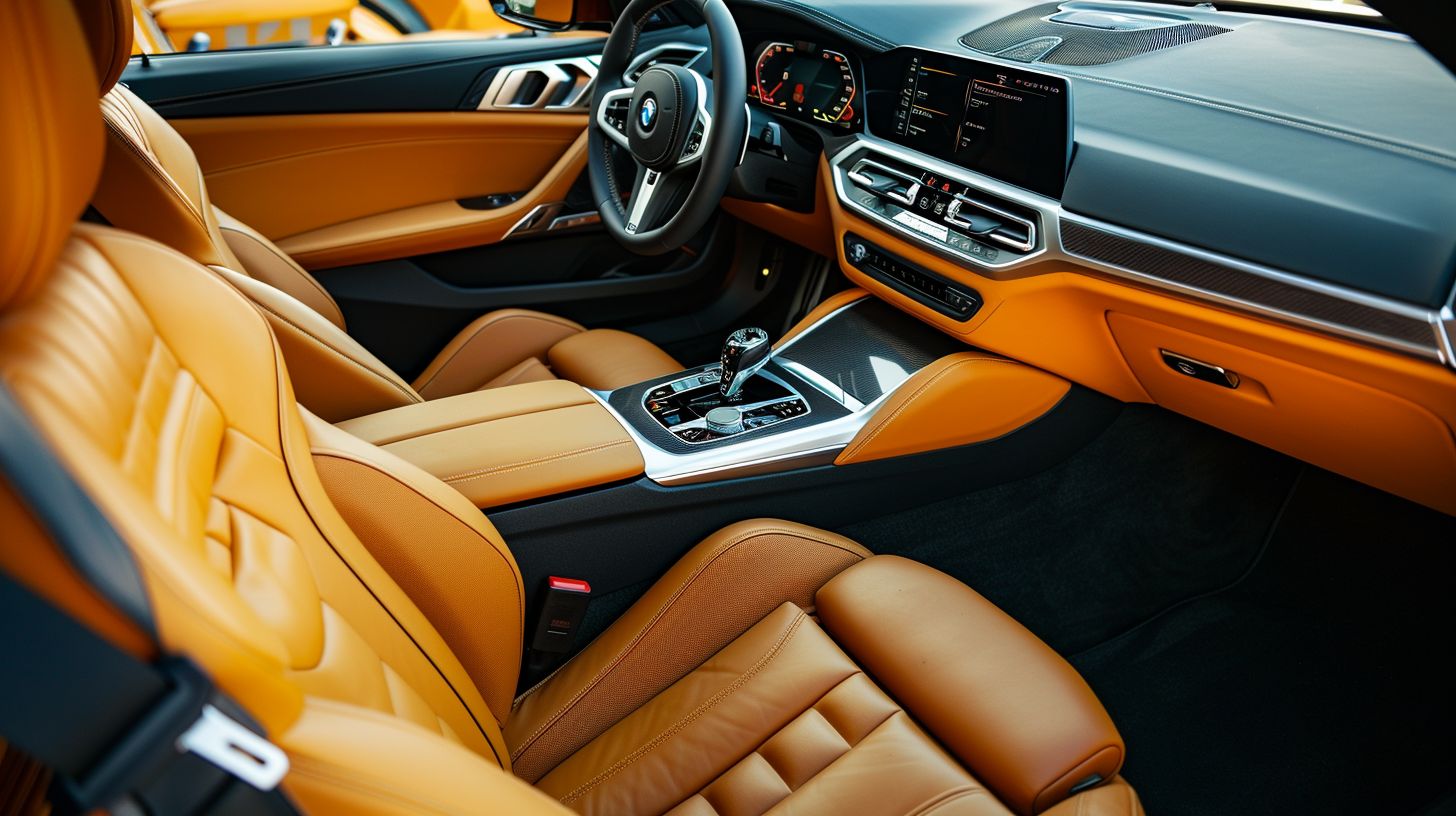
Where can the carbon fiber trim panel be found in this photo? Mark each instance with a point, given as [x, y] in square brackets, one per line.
[1080, 45]
[1156, 261]
[869, 349]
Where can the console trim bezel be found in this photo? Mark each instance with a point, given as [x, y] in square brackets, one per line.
[806, 446]
[703, 422]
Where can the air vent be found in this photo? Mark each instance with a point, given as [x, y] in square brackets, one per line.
[561, 86]
[944, 211]
[670, 54]
[1085, 33]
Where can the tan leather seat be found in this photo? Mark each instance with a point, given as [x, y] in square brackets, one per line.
[370, 619]
[152, 184]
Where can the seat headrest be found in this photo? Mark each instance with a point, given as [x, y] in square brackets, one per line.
[108, 28]
[50, 139]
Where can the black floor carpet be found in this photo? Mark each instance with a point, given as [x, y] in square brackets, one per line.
[1270, 638]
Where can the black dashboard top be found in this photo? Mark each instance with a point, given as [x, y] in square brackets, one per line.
[1324, 150]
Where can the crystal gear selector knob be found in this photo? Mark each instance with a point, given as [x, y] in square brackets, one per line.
[744, 353]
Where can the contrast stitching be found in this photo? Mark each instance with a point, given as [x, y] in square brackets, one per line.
[693, 716]
[657, 616]
[161, 174]
[508, 468]
[287, 261]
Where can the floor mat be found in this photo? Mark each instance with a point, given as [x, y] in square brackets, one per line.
[1269, 637]
[1155, 510]
[1318, 684]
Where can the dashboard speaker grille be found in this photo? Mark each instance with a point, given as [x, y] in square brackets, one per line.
[1080, 44]
[1176, 267]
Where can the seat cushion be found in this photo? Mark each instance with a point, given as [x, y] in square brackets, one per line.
[848, 713]
[781, 713]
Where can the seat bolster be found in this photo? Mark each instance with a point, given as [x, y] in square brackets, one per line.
[718, 591]
[1013, 710]
[263, 260]
[606, 359]
[333, 376]
[492, 345]
[345, 759]
[438, 547]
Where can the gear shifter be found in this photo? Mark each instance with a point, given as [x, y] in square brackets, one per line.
[744, 353]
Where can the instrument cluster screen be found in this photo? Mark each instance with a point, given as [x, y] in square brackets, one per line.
[1004, 122]
[814, 84]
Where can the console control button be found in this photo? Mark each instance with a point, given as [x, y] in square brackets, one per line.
[725, 420]
[943, 295]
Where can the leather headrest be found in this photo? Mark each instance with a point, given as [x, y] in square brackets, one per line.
[50, 139]
[108, 27]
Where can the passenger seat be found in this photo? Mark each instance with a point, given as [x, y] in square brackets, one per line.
[152, 184]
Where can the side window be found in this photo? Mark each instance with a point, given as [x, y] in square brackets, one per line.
[168, 26]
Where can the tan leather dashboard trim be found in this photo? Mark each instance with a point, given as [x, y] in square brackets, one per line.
[1055, 317]
[813, 229]
[339, 189]
[959, 399]
[509, 444]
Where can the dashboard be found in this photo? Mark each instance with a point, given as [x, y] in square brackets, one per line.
[1104, 188]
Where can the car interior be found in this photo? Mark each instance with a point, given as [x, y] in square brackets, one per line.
[727, 407]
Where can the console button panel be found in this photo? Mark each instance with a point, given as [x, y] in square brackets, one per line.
[681, 406]
[941, 294]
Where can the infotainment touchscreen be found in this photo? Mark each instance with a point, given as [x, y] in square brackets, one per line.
[1005, 122]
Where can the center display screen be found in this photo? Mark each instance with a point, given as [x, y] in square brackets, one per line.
[1004, 122]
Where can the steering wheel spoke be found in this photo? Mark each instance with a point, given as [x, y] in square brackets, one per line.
[612, 115]
[653, 197]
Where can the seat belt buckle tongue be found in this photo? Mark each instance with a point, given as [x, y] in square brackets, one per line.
[562, 609]
[234, 747]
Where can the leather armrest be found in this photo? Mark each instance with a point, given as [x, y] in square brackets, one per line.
[508, 444]
[1017, 714]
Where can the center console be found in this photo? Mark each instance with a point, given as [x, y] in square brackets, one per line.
[813, 394]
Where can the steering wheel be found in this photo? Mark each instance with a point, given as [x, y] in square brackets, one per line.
[684, 137]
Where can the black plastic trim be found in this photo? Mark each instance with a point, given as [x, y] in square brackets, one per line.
[627, 535]
[79, 530]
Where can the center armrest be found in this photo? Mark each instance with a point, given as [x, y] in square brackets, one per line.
[509, 444]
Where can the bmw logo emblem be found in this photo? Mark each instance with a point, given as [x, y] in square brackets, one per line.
[647, 115]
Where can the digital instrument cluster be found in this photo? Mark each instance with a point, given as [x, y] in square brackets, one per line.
[815, 85]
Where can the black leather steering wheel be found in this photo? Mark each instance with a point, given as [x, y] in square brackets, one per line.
[684, 138]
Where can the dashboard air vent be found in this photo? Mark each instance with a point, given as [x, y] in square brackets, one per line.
[1076, 33]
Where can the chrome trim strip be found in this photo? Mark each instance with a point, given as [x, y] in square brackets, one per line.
[508, 80]
[764, 454]
[703, 423]
[1440, 349]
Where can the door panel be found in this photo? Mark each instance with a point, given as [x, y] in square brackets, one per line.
[350, 188]
[372, 166]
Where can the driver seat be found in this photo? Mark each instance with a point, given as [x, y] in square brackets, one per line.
[152, 184]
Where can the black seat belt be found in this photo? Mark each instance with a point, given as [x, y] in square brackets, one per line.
[117, 733]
